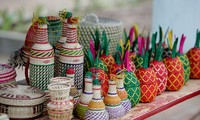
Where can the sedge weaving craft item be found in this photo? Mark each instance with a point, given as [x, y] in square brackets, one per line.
[96, 107]
[138, 61]
[85, 98]
[113, 101]
[71, 54]
[131, 83]
[159, 68]
[41, 60]
[125, 102]
[91, 22]
[148, 83]
[175, 79]
[194, 57]
[60, 107]
[7, 75]
[184, 59]
[64, 15]
[21, 102]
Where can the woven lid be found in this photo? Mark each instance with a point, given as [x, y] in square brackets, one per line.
[21, 95]
[6, 72]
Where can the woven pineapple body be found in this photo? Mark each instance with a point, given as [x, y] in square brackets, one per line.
[186, 64]
[114, 68]
[132, 66]
[108, 60]
[103, 77]
[138, 61]
[161, 75]
[194, 58]
[132, 87]
[102, 66]
[175, 79]
[148, 84]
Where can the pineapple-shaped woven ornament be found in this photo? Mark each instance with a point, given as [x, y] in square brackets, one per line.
[64, 15]
[96, 107]
[194, 57]
[131, 83]
[105, 57]
[175, 79]
[85, 98]
[94, 68]
[41, 60]
[122, 92]
[184, 59]
[71, 54]
[113, 101]
[70, 73]
[159, 69]
[147, 78]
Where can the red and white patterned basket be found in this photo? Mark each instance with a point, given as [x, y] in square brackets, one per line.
[7, 75]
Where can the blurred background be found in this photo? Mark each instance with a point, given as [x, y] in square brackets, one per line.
[180, 15]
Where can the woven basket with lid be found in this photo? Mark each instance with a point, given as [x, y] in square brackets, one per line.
[7, 75]
[91, 22]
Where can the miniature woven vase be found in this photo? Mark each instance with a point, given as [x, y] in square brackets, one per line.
[60, 107]
[132, 87]
[148, 84]
[21, 102]
[71, 54]
[125, 102]
[103, 78]
[194, 57]
[61, 41]
[186, 64]
[138, 61]
[113, 101]
[85, 98]
[175, 79]
[41, 60]
[96, 107]
[73, 90]
[7, 75]
[161, 75]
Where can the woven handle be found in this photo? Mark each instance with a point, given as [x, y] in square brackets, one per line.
[91, 18]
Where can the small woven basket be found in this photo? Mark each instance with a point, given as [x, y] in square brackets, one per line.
[91, 22]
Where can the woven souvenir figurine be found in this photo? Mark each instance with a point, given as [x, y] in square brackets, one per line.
[60, 107]
[138, 61]
[7, 75]
[131, 83]
[118, 62]
[184, 59]
[125, 102]
[175, 79]
[102, 76]
[96, 107]
[194, 57]
[147, 78]
[73, 90]
[168, 50]
[85, 98]
[41, 59]
[71, 54]
[64, 15]
[159, 68]
[113, 101]
[105, 57]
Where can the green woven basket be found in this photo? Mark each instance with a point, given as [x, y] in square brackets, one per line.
[91, 22]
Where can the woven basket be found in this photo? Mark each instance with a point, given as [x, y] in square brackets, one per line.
[7, 75]
[90, 23]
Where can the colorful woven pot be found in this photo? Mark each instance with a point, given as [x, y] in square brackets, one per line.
[71, 54]
[21, 102]
[7, 75]
[60, 107]
[125, 102]
[96, 107]
[113, 101]
[41, 60]
[91, 22]
[85, 98]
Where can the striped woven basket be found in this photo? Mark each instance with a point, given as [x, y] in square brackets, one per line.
[91, 22]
